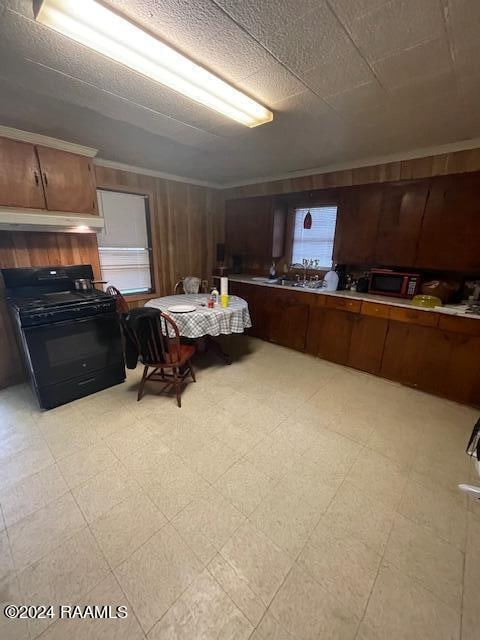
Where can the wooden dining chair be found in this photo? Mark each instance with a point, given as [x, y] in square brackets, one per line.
[186, 283]
[120, 302]
[158, 343]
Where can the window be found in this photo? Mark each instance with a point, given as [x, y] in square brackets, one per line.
[315, 243]
[124, 243]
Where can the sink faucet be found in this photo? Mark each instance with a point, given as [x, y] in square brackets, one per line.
[305, 266]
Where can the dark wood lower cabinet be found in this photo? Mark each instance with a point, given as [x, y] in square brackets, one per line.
[439, 360]
[336, 334]
[460, 377]
[406, 356]
[315, 327]
[259, 312]
[288, 320]
[288, 324]
[367, 343]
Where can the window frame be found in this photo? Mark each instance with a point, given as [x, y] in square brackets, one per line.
[152, 249]
[332, 201]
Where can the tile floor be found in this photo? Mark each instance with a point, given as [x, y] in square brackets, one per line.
[289, 498]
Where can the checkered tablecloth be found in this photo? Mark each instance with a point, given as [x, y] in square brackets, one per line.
[204, 321]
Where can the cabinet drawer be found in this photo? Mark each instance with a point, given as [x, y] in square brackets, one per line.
[423, 318]
[343, 304]
[375, 309]
[470, 326]
[315, 299]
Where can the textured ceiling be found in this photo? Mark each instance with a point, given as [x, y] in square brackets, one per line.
[347, 80]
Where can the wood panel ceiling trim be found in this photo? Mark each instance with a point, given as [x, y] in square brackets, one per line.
[426, 152]
[110, 164]
[417, 154]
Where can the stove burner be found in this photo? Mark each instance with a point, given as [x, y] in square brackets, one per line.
[57, 300]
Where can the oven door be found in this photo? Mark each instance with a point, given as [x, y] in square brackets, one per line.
[71, 349]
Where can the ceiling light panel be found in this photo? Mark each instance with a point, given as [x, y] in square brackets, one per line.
[97, 27]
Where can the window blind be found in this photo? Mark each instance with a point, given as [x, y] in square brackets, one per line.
[315, 243]
[123, 244]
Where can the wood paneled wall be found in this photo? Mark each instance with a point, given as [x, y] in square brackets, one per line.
[186, 223]
[437, 165]
[33, 249]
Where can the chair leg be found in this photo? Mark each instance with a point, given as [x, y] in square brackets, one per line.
[178, 387]
[192, 372]
[142, 383]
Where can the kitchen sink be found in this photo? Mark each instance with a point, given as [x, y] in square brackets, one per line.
[299, 285]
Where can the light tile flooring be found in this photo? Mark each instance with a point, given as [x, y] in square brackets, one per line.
[288, 499]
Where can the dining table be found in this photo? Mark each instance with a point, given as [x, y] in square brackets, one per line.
[201, 323]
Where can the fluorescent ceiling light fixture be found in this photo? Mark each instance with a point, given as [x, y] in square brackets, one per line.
[97, 27]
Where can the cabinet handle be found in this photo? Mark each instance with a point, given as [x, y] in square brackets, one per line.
[45, 179]
[35, 175]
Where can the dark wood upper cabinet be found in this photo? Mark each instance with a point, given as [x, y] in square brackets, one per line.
[255, 227]
[20, 181]
[357, 224]
[68, 181]
[400, 222]
[449, 238]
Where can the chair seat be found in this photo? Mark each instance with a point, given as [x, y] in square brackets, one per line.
[187, 351]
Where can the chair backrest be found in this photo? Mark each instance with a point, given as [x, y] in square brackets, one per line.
[156, 338]
[120, 302]
[178, 288]
[189, 284]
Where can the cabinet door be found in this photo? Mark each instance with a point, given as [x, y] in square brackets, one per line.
[415, 355]
[357, 224]
[288, 320]
[400, 355]
[461, 379]
[259, 313]
[235, 227]
[451, 224]
[315, 328]
[68, 180]
[367, 343]
[256, 307]
[20, 181]
[249, 227]
[400, 223]
[336, 335]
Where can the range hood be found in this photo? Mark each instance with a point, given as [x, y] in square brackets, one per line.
[15, 219]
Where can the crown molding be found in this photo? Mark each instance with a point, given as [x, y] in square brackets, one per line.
[424, 152]
[110, 164]
[46, 141]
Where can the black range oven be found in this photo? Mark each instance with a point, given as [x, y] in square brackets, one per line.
[71, 339]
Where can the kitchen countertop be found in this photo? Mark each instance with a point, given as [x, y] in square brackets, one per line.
[456, 310]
